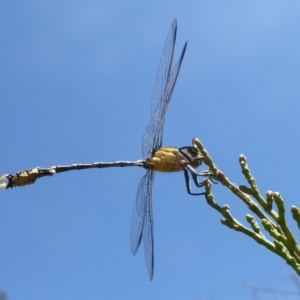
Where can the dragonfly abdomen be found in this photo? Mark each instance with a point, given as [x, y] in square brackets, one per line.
[166, 160]
[30, 176]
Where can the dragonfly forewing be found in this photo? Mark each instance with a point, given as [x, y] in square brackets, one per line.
[152, 137]
[142, 219]
[156, 125]
[164, 67]
[162, 77]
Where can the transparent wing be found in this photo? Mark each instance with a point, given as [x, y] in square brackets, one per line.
[142, 220]
[160, 84]
[148, 234]
[164, 67]
[152, 138]
[162, 93]
[138, 214]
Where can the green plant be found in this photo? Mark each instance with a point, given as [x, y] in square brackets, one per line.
[268, 212]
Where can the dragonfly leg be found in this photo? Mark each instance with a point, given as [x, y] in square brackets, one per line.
[204, 174]
[188, 183]
[184, 153]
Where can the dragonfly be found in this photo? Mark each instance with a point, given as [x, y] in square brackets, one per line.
[156, 157]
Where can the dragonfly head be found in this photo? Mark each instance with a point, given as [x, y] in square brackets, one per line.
[196, 159]
[192, 155]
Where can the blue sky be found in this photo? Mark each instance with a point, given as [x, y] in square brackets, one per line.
[76, 82]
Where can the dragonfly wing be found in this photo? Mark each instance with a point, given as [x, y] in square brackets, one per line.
[163, 72]
[142, 220]
[164, 67]
[138, 214]
[148, 234]
[140, 209]
[162, 93]
[161, 110]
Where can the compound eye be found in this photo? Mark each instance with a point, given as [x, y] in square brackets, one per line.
[194, 150]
